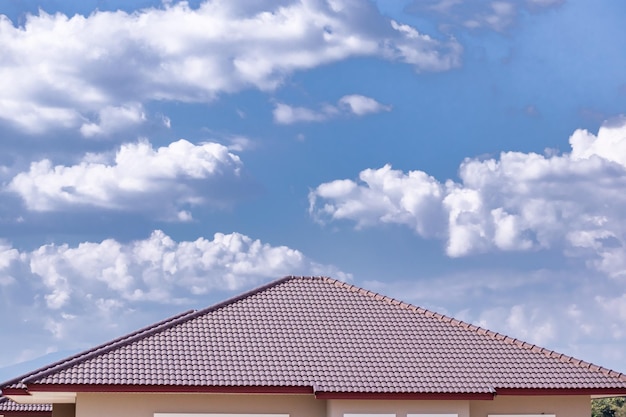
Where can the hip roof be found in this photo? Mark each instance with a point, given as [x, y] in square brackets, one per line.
[320, 335]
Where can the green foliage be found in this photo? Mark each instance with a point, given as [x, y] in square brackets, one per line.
[609, 407]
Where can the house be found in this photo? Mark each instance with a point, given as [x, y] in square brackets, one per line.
[314, 347]
[9, 408]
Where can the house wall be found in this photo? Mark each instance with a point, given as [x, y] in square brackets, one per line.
[337, 408]
[561, 406]
[145, 405]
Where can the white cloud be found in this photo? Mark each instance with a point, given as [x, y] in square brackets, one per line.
[286, 115]
[611, 145]
[36, 118]
[574, 202]
[114, 283]
[361, 105]
[354, 104]
[95, 73]
[7, 256]
[544, 3]
[530, 325]
[499, 16]
[534, 326]
[616, 306]
[137, 178]
[383, 200]
[115, 119]
[159, 269]
[496, 15]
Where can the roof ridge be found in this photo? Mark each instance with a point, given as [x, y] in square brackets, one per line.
[102, 348]
[247, 294]
[482, 331]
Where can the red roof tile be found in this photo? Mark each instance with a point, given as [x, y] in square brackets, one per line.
[329, 336]
[11, 408]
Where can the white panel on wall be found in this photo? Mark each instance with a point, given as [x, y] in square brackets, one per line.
[368, 415]
[522, 415]
[217, 415]
[432, 415]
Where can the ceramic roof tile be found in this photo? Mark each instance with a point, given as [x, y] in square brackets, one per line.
[322, 333]
[8, 406]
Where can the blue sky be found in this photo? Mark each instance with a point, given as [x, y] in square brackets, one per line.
[467, 157]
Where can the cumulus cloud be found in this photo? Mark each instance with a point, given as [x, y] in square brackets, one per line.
[361, 105]
[353, 104]
[94, 73]
[101, 282]
[115, 119]
[159, 269]
[138, 177]
[518, 202]
[383, 199]
[496, 15]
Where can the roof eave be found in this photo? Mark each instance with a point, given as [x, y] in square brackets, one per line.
[43, 397]
[562, 391]
[47, 393]
[404, 395]
[136, 388]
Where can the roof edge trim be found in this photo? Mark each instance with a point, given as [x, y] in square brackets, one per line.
[246, 294]
[223, 389]
[561, 391]
[14, 391]
[329, 395]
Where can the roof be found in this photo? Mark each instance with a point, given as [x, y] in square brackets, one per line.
[322, 336]
[11, 408]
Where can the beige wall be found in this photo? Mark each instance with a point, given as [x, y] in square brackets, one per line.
[144, 405]
[336, 408]
[564, 406]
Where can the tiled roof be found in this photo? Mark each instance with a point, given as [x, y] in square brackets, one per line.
[333, 337]
[8, 407]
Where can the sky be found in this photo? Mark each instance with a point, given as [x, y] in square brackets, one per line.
[468, 157]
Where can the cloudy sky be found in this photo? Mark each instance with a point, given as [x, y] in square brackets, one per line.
[158, 156]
